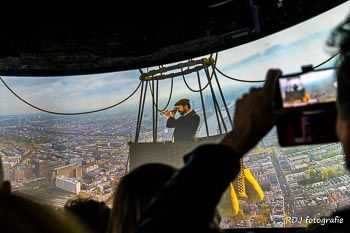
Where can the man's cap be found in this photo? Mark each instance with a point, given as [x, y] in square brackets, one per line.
[183, 102]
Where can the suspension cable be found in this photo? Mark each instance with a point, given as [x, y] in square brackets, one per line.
[139, 112]
[261, 81]
[194, 90]
[216, 105]
[329, 59]
[238, 80]
[169, 99]
[223, 99]
[152, 93]
[65, 113]
[156, 109]
[140, 115]
[210, 79]
[203, 104]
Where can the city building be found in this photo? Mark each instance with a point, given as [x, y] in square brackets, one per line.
[68, 184]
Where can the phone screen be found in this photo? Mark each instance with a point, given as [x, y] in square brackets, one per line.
[309, 88]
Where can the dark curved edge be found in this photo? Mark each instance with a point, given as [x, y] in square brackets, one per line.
[82, 63]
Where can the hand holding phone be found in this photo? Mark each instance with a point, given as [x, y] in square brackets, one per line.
[253, 117]
[305, 108]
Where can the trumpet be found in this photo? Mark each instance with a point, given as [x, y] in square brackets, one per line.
[173, 111]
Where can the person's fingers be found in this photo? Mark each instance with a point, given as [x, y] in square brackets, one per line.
[253, 89]
[244, 96]
[271, 82]
[238, 103]
[271, 78]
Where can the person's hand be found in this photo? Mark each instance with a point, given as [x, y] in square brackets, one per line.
[253, 117]
[168, 114]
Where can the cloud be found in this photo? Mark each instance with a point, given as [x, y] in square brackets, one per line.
[296, 34]
[64, 92]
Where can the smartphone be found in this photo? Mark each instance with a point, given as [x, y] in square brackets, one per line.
[305, 108]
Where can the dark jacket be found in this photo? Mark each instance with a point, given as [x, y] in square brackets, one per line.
[188, 202]
[185, 126]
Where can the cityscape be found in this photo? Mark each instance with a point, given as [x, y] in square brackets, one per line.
[54, 159]
[299, 182]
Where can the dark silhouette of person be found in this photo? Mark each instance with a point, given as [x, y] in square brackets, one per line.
[93, 214]
[134, 193]
[295, 88]
[186, 125]
[20, 214]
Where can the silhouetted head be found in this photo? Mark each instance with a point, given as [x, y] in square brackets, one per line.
[183, 106]
[91, 213]
[341, 38]
[22, 215]
[134, 193]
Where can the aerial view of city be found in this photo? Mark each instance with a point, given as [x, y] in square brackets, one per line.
[63, 158]
[53, 159]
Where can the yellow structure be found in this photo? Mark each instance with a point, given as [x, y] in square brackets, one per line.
[245, 187]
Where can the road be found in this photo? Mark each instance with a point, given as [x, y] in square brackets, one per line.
[288, 199]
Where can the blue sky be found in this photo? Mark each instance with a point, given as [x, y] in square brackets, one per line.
[288, 50]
